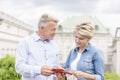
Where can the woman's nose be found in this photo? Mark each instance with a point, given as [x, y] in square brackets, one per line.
[77, 40]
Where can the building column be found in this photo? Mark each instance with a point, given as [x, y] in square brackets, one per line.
[118, 57]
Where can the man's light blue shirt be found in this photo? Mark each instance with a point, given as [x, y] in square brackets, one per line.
[32, 53]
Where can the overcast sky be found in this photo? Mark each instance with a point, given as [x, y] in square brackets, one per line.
[29, 11]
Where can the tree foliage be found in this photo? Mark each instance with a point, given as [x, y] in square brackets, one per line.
[7, 69]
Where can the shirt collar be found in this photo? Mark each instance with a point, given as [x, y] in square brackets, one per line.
[37, 37]
[87, 48]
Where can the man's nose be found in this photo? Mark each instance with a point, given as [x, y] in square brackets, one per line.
[54, 32]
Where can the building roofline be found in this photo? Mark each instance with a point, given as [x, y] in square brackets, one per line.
[11, 19]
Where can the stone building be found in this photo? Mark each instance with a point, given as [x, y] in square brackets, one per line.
[12, 31]
[114, 53]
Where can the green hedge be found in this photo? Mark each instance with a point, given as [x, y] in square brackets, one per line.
[7, 70]
[111, 76]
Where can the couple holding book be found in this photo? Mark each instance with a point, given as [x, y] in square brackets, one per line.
[37, 55]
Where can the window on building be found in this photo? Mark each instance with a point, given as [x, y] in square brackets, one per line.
[109, 58]
[29, 33]
[1, 21]
[7, 49]
[60, 28]
[11, 49]
[96, 27]
[3, 49]
[8, 26]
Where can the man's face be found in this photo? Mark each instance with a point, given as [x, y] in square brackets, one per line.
[49, 30]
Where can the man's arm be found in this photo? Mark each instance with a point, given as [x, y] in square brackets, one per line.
[21, 65]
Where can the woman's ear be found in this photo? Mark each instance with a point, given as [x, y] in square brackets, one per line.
[88, 40]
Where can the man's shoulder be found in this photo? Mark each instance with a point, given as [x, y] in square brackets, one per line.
[54, 43]
[26, 39]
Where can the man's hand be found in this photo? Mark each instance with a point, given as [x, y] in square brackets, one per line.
[46, 70]
[60, 77]
[71, 77]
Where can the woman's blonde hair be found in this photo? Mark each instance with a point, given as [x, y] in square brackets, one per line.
[85, 29]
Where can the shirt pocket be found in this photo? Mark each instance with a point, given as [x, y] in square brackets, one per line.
[88, 63]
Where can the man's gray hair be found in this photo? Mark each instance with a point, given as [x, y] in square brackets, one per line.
[45, 18]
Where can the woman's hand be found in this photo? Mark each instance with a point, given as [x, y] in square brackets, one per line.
[80, 74]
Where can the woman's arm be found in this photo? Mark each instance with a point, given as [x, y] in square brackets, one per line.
[80, 74]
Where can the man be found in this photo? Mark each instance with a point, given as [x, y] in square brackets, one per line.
[37, 55]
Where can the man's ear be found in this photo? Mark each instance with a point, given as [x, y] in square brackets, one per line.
[41, 27]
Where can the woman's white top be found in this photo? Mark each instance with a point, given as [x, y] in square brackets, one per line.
[74, 63]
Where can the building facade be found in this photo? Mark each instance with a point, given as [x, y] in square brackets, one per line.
[12, 31]
[114, 53]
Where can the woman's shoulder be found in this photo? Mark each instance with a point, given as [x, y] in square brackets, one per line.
[93, 48]
[95, 51]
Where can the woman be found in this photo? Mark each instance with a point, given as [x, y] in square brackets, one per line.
[86, 61]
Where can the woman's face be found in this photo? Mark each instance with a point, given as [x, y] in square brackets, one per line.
[80, 41]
